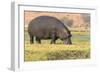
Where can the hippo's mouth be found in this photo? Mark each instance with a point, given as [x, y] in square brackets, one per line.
[68, 41]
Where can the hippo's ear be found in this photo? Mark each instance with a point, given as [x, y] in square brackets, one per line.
[69, 34]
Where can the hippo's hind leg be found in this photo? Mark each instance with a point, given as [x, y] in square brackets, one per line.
[31, 39]
[38, 40]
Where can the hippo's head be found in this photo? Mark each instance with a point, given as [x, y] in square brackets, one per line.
[67, 38]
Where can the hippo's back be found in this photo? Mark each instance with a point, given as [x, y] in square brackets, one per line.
[45, 21]
[45, 24]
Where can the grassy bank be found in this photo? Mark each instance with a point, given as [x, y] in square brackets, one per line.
[80, 49]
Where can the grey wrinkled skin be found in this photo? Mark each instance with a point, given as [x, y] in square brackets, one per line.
[47, 27]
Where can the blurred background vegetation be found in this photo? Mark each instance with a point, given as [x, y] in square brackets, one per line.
[74, 21]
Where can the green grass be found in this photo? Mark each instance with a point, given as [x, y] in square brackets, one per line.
[80, 49]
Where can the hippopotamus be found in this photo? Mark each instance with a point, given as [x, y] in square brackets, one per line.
[48, 27]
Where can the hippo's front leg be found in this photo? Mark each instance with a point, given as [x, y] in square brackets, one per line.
[53, 41]
[53, 38]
